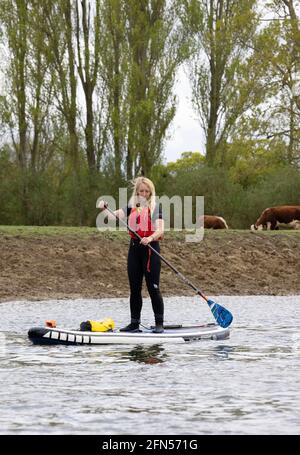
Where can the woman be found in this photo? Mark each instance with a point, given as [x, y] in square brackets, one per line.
[145, 218]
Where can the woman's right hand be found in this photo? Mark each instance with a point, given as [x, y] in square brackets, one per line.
[102, 205]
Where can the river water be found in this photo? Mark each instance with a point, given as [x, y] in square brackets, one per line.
[248, 384]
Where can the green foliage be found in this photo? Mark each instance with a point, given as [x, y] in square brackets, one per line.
[188, 161]
[238, 200]
[10, 202]
[60, 197]
[249, 162]
[51, 197]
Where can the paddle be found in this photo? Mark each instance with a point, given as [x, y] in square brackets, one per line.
[221, 315]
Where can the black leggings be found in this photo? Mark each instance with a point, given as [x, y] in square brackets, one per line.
[139, 262]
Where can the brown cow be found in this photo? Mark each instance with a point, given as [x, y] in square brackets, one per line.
[213, 222]
[273, 216]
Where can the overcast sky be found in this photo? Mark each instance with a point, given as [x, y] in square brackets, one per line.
[185, 131]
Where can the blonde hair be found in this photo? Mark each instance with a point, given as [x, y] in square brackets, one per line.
[134, 197]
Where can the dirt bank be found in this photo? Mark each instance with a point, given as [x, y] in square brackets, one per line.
[93, 265]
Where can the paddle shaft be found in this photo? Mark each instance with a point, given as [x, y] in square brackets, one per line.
[183, 278]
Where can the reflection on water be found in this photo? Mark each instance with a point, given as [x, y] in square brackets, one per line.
[149, 355]
[247, 384]
[222, 352]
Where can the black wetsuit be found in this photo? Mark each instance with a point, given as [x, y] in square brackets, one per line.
[144, 262]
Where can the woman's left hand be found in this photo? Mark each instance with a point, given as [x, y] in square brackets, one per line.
[146, 240]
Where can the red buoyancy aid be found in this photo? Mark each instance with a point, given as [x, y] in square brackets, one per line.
[140, 222]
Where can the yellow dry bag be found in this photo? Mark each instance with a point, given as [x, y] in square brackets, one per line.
[106, 325]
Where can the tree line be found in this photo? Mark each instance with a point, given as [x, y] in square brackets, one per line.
[87, 98]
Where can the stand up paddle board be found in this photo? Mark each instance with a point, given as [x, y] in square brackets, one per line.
[171, 334]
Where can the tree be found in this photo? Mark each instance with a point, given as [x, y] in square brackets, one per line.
[154, 60]
[144, 46]
[57, 22]
[273, 124]
[88, 48]
[113, 74]
[15, 20]
[27, 96]
[222, 89]
[291, 77]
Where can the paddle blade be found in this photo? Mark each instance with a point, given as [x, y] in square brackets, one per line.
[221, 315]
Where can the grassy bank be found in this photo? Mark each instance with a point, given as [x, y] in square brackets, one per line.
[85, 231]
